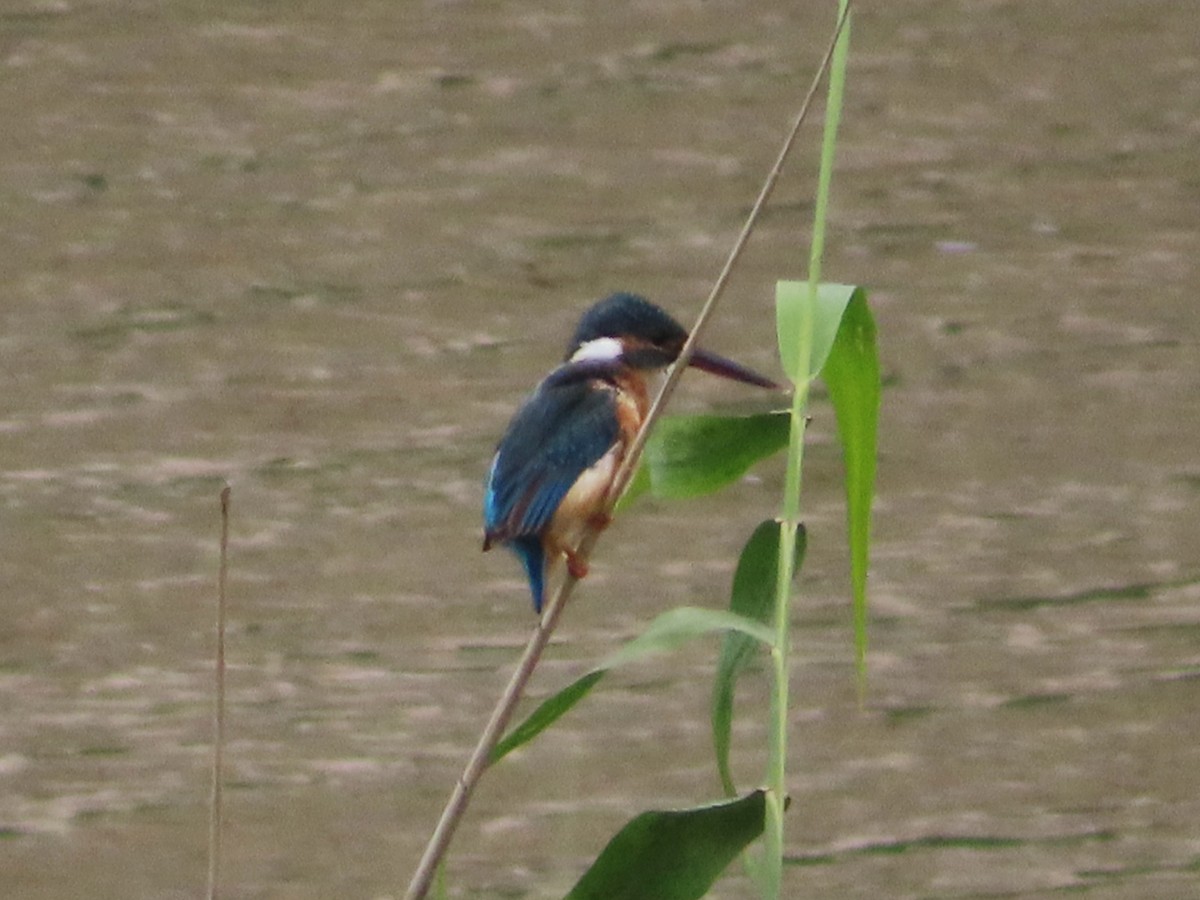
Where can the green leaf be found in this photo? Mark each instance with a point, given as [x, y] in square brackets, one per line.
[673, 855]
[670, 630]
[843, 352]
[791, 308]
[852, 375]
[678, 626]
[439, 881]
[688, 456]
[547, 713]
[639, 484]
[753, 596]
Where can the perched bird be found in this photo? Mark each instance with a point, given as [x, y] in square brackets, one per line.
[553, 468]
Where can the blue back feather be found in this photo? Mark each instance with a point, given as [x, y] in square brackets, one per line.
[560, 432]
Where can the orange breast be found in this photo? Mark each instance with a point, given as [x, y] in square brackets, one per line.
[632, 405]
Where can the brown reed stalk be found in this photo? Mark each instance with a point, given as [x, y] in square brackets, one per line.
[214, 804]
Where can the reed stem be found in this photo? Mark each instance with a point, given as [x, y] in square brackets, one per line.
[777, 796]
[218, 761]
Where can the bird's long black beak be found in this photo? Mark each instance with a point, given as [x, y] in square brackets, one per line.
[727, 368]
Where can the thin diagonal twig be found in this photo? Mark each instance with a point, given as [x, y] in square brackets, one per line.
[633, 455]
[214, 806]
[478, 762]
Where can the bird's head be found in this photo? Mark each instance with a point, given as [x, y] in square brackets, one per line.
[629, 330]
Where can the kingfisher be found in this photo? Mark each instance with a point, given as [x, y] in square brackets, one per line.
[555, 464]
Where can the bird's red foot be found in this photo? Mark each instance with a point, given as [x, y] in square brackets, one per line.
[575, 566]
[599, 520]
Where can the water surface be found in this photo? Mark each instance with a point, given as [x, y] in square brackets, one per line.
[320, 253]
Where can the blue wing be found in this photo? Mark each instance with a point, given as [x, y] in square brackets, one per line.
[560, 432]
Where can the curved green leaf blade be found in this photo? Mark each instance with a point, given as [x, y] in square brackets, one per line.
[852, 376]
[752, 596]
[548, 712]
[688, 456]
[791, 306]
[677, 626]
[673, 855]
[668, 631]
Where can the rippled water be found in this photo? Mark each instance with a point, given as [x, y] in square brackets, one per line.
[320, 252]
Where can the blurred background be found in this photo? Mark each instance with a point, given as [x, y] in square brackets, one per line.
[320, 251]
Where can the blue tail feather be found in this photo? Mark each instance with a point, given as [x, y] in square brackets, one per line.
[533, 557]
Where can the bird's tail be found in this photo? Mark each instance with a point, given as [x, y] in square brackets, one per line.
[533, 557]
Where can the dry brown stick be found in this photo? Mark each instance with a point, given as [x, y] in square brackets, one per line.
[492, 732]
[502, 713]
[214, 807]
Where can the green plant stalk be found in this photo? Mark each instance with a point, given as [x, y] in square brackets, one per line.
[833, 117]
[772, 869]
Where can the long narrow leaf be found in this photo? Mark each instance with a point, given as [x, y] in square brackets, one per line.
[668, 631]
[672, 855]
[852, 375]
[548, 712]
[752, 596]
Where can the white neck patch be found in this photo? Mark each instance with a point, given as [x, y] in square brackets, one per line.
[605, 349]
